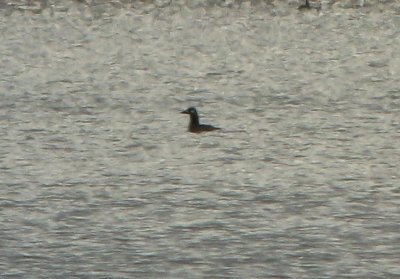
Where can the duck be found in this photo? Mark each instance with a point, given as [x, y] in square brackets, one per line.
[194, 124]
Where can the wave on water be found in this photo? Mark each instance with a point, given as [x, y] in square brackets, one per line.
[38, 6]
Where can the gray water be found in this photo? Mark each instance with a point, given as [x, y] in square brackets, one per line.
[100, 179]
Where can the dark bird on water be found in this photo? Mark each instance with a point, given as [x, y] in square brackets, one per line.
[194, 124]
[308, 6]
[305, 6]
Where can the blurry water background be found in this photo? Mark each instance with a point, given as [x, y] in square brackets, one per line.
[99, 178]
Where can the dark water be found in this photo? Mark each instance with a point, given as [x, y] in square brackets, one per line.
[99, 178]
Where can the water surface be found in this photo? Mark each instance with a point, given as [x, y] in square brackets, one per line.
[99, 178]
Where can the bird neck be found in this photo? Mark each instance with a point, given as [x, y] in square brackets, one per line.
[194, 120]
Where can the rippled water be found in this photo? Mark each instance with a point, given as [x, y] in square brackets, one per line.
[99, 178]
